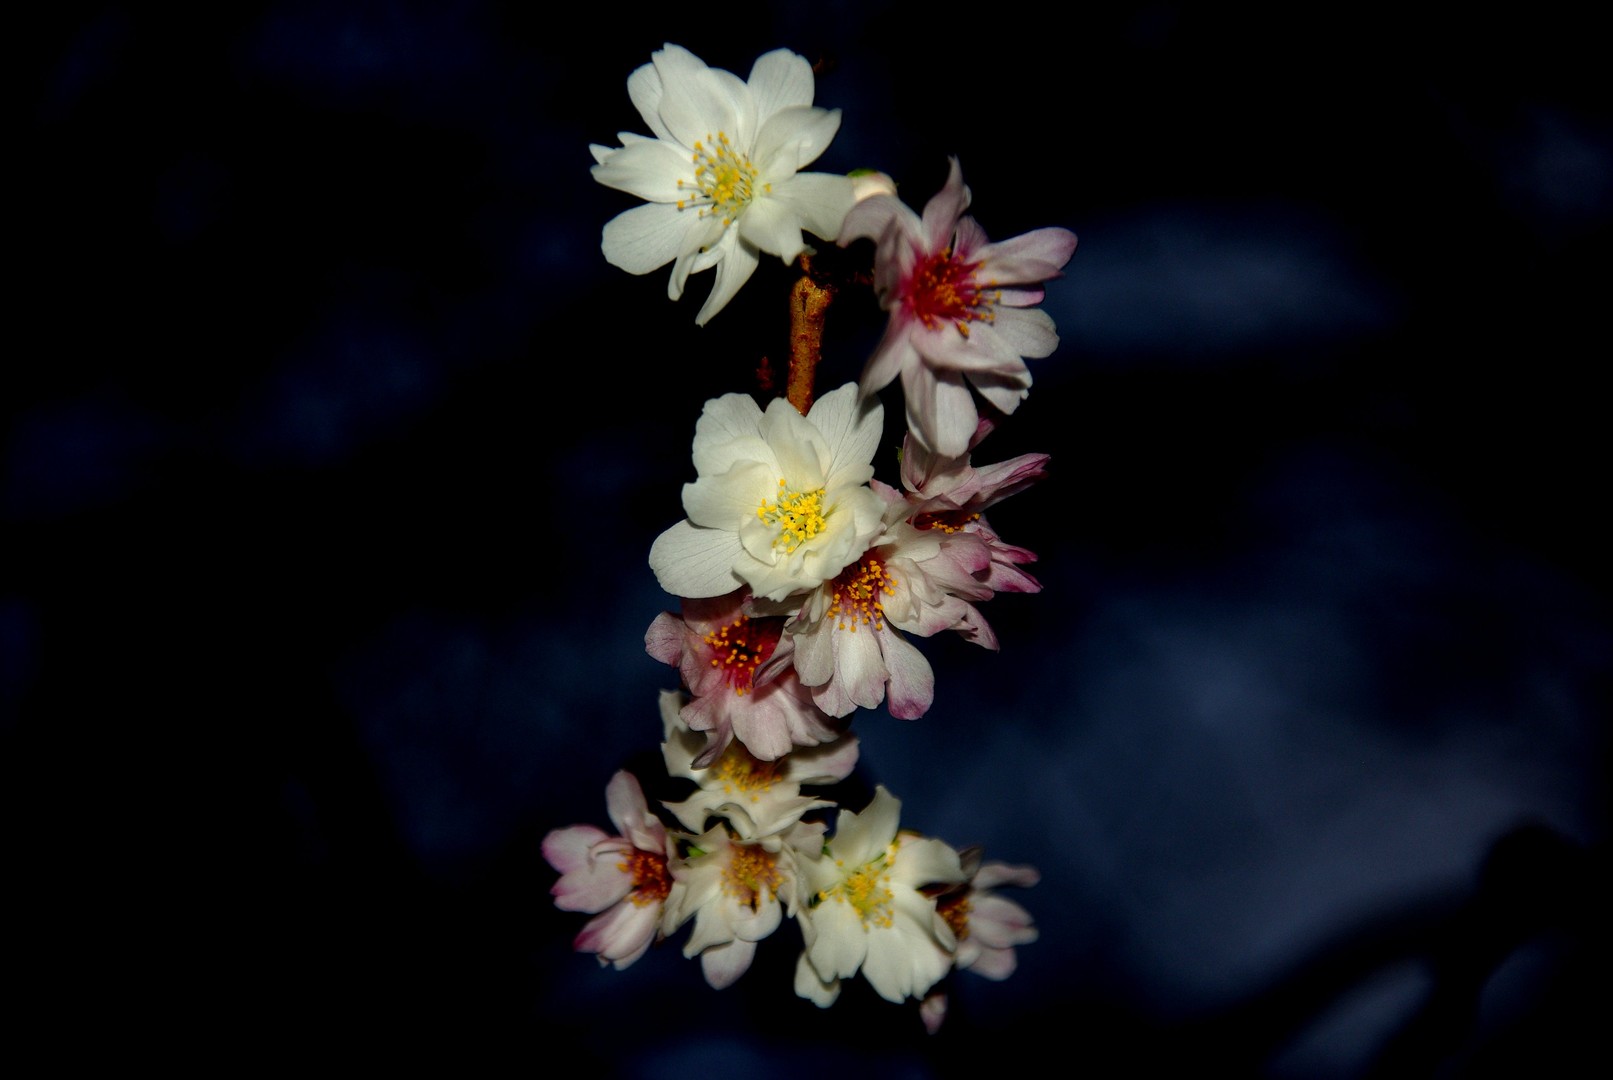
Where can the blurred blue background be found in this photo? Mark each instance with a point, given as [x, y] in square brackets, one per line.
[333, 449]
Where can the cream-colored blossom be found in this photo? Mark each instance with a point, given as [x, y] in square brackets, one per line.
[721, 175]
[781, 502]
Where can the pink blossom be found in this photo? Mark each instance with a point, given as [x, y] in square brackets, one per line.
[988, 926]
[951, 494]
[717, 649]
[623, 880]
[961, 309]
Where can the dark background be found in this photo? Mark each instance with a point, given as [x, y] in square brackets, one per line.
[333, 449]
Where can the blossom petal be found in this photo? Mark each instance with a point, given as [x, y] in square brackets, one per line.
[695, 102]
[1029, 258]
[624, 801]
[982, 350]
[810, 985]
[820, 201]
[1005, 392]
[912, 681]
[992, 874]
[942, 212]
[718, 501]
[648, 168]
[622, 934]
[851, 427]
[648, 237]
[926, 861]
[903, 962]
[779, 80]
[995, 964]
[733, 271]
[569, 849]
[999, 923]
[769, 226]
[861, 837]
[893, 354]
[691, 561]
[842, 941]
[940, 412]
[1027, 331]
[792, 139]
[644, 90]
[724, 964]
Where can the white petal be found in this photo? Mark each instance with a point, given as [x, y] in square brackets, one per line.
[644, 90]
[927, 861]
[770, 226]
[940, 412]
[819, 201]
[648, 237]
[792, 139]
[1002, 391]
[841, 941]
[690, 561]
[942, 212]
[624, 801]
[649, 169]
[816, 990]
[706, 245]
[802, 453]
[695, 103]
[912, 680]
[736, 267]
[729, 431]
[1027, 331]
[859, 838]
[723, 964]
[778, 80]
[728, 500]
[851, 427]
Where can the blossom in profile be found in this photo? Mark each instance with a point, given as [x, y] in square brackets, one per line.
[721, 174]
[961, 309]
[951, 494]
[758, 799]
[986, 925]
[781, 502]
[717, 648]
[624, 880]
[866, 908]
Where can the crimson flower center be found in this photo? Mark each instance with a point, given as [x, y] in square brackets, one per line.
[942, 288]
[742, 646]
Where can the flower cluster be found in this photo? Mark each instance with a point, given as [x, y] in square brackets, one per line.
[802, 580]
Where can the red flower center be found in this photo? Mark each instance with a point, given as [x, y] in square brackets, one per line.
[943, 289]
[743, 646]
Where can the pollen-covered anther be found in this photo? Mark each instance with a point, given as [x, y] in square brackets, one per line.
[866, 890]
[752, 875]
[858, 596]
[943, 289]
[954, 910]
[742, 646]
[724, 178]
[798, 516]
[948, 521]
[651, 882]
[740, 773]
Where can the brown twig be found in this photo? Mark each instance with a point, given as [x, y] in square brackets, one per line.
[809, 305]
